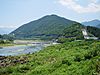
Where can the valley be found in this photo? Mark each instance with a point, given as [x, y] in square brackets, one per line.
[51, 45]
[49, 37]
[76, 57]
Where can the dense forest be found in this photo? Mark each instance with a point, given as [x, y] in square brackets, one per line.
[93, 30]
[73, 31]
[47, 26]
[68, 58]
[4, 39]
[98, 26]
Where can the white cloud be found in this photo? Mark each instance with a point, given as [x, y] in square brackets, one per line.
[94, 1]
[90, 8]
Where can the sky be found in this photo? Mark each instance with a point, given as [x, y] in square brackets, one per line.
[14, 13]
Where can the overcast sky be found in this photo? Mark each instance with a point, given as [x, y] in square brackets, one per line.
[14, 13]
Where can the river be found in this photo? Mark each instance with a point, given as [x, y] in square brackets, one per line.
[21, 49]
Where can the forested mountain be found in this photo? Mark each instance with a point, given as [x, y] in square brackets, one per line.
[98, 26]
[50, 25]
[53, 26]
[74, 31]
[6, 37]
[93, 30]
[93, 23]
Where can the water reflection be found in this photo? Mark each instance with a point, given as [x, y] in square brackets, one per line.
[17, 50]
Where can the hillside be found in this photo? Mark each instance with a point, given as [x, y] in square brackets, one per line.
[93, 23]
[93, 30]
[50, 25]
[73, 31]
[98, 26]
[53, 26]
[70, 58]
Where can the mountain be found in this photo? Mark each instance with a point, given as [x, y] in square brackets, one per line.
[93, 27]
[98, 26]
[53, 26]
[92, 23]
[50, 25]
[94, 30]
[74, 30]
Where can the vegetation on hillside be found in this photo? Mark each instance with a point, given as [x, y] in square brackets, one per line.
[93, 30]
[6, 37]
[51, 27]
[71, 33]
[6, 40]
[69, 58]
[98, 26]
[47, 26]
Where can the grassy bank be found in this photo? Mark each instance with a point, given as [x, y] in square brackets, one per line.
[11, 44]
[70, 58]
[5, 45]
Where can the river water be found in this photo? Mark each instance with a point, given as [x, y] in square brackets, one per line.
[20, 49]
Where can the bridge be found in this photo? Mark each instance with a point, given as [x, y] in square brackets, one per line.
[34, 42]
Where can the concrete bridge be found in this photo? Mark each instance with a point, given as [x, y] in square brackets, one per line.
[34, 42]
[30, 42]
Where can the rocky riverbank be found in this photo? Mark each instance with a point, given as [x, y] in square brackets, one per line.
[6, 61]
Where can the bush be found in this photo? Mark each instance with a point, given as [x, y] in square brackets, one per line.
[69, 58]
[2, 42]
[63, 40]
[66, 62]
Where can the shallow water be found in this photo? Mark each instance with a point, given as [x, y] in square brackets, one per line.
[17, 50]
